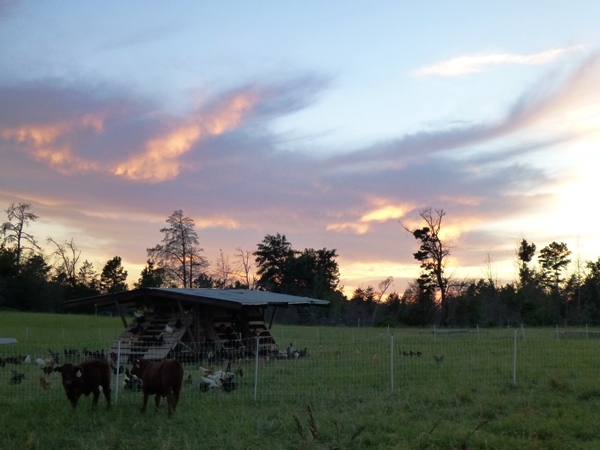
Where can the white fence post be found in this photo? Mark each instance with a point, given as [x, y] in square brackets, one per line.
[256, 368]
[515, 359]
[392, 361]
[118, 372]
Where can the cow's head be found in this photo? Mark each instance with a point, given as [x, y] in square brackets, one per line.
[139, 365]
[70, 373]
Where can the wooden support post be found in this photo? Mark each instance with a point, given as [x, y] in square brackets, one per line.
[272, 317]
[120, 310]
[197, 320]
[186, 323]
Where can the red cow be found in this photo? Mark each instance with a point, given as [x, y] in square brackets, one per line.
[86, 378]
[162, 378]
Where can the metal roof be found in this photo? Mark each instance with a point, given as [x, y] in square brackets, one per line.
[229, 298]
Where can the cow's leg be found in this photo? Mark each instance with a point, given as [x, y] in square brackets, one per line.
[176, 390]
[156, 402]
[74, 399]
[106, 390]
[170, 401]
[145, 402]
[96, 397]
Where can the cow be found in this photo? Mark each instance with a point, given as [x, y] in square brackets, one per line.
[163, 379]
[85, 378]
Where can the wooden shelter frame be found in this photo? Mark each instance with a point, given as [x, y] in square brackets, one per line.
[173, 321]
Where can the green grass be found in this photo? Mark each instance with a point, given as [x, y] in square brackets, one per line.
[468, 401]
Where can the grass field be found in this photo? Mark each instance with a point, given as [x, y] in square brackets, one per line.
[358, 389]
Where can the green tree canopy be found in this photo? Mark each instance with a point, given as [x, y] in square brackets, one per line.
[554, 258]
[272, 255]
[525, 254]
[151, 276]
[113, 276]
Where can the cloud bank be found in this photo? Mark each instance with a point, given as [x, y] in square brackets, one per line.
[112, 167]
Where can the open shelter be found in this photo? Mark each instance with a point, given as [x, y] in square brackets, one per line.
[193, 323]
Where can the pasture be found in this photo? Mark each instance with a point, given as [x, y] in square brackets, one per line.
[359, 388]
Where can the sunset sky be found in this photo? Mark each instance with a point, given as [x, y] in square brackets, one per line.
[330, 122]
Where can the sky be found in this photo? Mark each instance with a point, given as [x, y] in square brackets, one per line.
[333, 123]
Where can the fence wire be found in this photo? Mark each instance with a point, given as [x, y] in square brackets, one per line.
[333, 364]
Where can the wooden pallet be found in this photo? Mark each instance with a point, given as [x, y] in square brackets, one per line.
[143, 345]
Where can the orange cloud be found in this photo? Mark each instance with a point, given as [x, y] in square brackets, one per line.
[36, 135]
[219, 222]
[382, 212]
[160, 159]
[358, 228]
[42, 140]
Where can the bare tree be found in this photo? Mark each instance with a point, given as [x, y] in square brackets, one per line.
[383, 286]
[66, 257]
[432, 255]
[14, 232]
[245, 267]
[223, 272]
[488, 270]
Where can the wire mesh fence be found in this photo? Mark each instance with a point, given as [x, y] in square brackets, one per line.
[319, 364]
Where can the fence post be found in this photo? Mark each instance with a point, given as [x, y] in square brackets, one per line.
[392, 361]
[118, 372]
[515, 359]
[256, 368]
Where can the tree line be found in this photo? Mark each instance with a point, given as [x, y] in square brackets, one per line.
[543, 294]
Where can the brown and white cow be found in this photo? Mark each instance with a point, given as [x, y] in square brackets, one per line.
[86, 378]
[163, 379]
